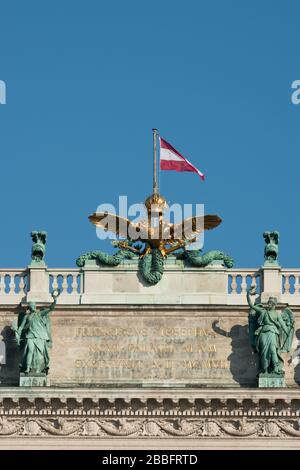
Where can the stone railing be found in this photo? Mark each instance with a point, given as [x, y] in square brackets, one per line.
[67, 280]
[118, 285]
[290, 285]
[240, 280]
[14, 285]
[291, 281]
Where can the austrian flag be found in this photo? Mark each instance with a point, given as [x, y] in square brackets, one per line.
[171, 159]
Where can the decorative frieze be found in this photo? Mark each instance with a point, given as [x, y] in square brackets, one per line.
[193, 428]
[186, 414]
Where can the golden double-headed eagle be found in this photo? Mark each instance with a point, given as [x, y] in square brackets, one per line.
[164, 236]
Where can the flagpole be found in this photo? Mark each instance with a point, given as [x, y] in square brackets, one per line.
[155, 185]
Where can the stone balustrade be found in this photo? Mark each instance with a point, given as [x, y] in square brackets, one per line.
[14, 285]
[291, 281]
[179, 285]
[67, 280]
[240, 280]
[290, 286]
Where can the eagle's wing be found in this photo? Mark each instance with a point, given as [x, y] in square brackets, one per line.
[121, 226]
[193, 226]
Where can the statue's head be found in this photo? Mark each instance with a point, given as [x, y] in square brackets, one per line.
[272, 302]
[32, 307]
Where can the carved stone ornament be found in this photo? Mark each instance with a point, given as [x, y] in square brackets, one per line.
[191, 419]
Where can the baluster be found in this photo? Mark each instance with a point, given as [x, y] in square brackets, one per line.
[13, 283]
[10, 283]
[22, 284]
[55, 283]
[64, 285]
[287, 284]
[297, 284]
[2, 284]
[254, 281]
[234, 284]
[244, 283]
[74, 284]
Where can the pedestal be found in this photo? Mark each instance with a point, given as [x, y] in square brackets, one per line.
[271, 282]
[33, 380]
[39, 283]
[271, 381]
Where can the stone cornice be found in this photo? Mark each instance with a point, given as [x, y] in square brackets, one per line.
[132, 401]
[168, 309]
[195, 416]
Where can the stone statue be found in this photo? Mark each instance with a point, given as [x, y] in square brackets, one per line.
[271, 333]
[33, 335]
[38, 246]
[271, 247]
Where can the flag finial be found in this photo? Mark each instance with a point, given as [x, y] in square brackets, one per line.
[155, 185]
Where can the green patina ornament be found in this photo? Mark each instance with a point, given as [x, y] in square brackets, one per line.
[106, 259]
[33, 335]
[271, 248]
[271, 333]
[151, 264]
[38, 246]
[195, 258]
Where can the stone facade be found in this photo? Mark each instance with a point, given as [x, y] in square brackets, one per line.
[152, 418]
[133, 366]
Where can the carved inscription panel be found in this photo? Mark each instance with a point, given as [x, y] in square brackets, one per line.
[159, 349]
[184, 348]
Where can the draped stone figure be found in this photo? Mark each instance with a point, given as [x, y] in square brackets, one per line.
[271, 333]
[33, 335]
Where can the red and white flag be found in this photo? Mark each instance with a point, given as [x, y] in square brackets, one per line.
[171, 159]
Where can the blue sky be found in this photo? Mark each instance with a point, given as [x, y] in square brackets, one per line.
[86, 82]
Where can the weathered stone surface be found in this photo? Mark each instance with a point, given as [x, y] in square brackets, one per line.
[266, 381]
[179, 346]
[33, 380]
[149, 348]
[153, 418]
[167, 365]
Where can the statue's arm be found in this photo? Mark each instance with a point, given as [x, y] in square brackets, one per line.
[251, 304]
[46, 311]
